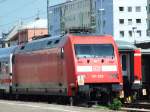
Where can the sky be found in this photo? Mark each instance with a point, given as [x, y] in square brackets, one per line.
[14, 11]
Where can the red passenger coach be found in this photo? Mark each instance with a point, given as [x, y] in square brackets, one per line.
[85, 66]
[130, 57]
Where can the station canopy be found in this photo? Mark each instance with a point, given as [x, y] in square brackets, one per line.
[145, 51]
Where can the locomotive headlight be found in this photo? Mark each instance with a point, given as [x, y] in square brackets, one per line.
[121, 94]
[137, 82]
[144, 92]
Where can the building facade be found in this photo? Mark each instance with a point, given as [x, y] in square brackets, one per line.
[70, 14]
[23, 33]
[124, 19]
[130, 20]
[73, 17]
[54, 20]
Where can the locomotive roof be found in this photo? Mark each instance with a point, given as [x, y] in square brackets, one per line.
[5, 52]
[88, 34]
[124, 45]
[49, 42]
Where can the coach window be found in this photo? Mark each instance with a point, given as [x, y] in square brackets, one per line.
[124, 65]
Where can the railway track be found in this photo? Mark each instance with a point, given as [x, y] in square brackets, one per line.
[144, 105]
[137, 106]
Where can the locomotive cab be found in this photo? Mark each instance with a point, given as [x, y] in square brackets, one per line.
[94, 62]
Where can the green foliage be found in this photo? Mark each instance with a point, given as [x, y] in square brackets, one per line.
[116, 104]
[102, 107]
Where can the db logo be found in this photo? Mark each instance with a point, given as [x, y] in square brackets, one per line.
[96, 68]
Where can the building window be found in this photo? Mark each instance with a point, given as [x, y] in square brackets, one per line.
[129, 9]
[129, 21]
[138, 9]
[103, 12]
[139, 33]
[138, 20]
[124, 62]
[147, 33]
[121, 33]
[121, 21]
[130, 33]
[121, 8]
[93, 21]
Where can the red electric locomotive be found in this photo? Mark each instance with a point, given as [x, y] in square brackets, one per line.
[72, 65]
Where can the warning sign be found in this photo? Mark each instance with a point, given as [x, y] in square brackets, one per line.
[81, 80]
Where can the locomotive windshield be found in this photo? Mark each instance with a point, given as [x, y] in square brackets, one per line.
[93, 50]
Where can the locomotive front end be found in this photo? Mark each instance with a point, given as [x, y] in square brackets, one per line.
[97, 68]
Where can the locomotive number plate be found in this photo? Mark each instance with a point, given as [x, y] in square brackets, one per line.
[98, 76]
